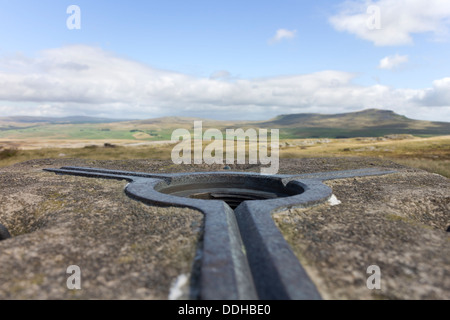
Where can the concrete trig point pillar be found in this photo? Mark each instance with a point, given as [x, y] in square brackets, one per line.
[244, 255]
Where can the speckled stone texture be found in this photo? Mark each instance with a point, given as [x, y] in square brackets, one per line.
[128, 250]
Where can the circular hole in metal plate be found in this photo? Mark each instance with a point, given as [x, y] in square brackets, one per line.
[232, 189]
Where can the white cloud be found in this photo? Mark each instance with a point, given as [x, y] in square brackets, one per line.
[438, 95]
[393, 62]
[399, 20]
[221, 74]
[283, 34]
[83, 80]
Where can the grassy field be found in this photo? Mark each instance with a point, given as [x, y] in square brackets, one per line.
[367, 123]
[148, 132]
[431, 154]
[88, 131]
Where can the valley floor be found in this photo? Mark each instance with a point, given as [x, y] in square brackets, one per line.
[431, 154]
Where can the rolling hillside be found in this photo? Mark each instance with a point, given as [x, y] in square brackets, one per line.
[367, 123]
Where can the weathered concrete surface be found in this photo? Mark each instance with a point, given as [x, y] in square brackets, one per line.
[397, 222]
[127, 250]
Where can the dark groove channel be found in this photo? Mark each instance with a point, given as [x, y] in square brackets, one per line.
[231, 190]
[243, 255]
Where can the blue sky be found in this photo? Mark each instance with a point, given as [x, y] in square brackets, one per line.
[225, 59]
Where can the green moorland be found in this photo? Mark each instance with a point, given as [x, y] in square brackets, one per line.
[367, 123]
[368, 133]
[431, 154]
[87, 131]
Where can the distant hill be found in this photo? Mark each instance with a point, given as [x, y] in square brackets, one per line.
[369, 117]
[52, 120]
[183, 122]
[168, 120]
[367, 123]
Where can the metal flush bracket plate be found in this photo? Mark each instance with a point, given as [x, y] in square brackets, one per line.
[244, 255]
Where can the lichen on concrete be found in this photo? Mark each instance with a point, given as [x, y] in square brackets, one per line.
[397, 222]
[129, 250]
[125, 249]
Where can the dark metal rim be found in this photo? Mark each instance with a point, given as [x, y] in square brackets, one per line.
[245, 256]
[4, 233]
